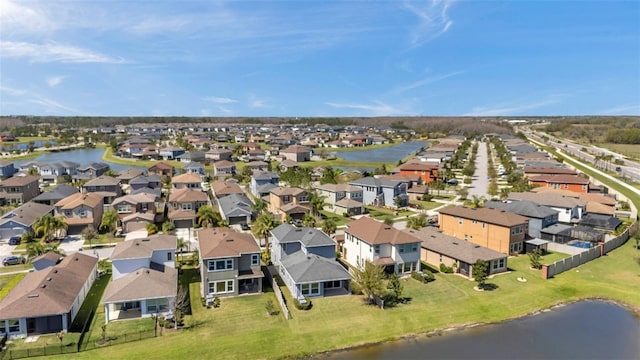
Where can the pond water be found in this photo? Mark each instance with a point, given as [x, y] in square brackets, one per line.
[387, 154]
[585, 330]
[82, 156]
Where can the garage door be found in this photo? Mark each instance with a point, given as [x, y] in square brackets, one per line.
[183, 224]
[136, 225]
[6, 234]
[237, 220]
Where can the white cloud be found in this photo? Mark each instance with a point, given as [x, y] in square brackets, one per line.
[52, 106]
[378, 108]
[433, 20]
[19, 19]
[53, 52]
[511, 109]
[220, 100]
[12, 91]
[225, 110]
[54, 81]
[427, 80]
[257, 103]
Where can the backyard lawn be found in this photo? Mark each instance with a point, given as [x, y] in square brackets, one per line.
[241, 329]
[8, 282]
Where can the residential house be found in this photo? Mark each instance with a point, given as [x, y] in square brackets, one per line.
[262, 183]
[341, 198]
[161, 169]
[287, 164]
[129, 174]
[20, 189]
[218, 154]
[224, 168]
[296, 153]
[495, 229]
[47, 301]
[152, 181]
[369, 240]
[221, 188]
[7, 169]
[56, 194]
[104, 183]
[229, 263]
[570, 209]
[439, 248]
[21, 219]
[257, 166]
[7, 136]
[50, 172]
[289, 201]
[427, 171]
[46, 260]
[191, 156]
[90, 171]
[81, 210]
[559, 233]
[170, 153]
[250, 146]
[531, 171]
[236, 209]
[187, 181]
[604, 223]
[540, 216]
[194, 168]
[306, 261]
[567, 182]
[184, 204]
[377, 192]
[144, 279]
[136, 211]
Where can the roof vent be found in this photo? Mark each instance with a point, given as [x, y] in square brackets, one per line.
[76, 259]
[229, 240]
[33, 295]
[146, 239]
[43, 286]
[55, 271]
[455, 243]
[148, 272]
[49, 279]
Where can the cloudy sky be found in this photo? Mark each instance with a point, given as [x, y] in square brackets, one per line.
[319, 58]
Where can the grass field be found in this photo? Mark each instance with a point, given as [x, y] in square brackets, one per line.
[8, 282]
[628, 150]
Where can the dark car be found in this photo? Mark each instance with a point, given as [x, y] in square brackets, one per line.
[15, 240]
[244, 226]
[13, 260]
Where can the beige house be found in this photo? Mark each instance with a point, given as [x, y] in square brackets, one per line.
[341, 198]
[289, 201]
[19, 189]
[183, 206]
[296, 153]
[187, 181]
[81, 210]
[136, 211]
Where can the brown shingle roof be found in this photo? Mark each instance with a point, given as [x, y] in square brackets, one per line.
[103, 180]
[162, 166]
[143, 283]
[20, 180]
[225, 242]
[419, 166]
[221, 187]
[144, 247]
[187, 195]
[186, 178]
[560, 179]
[488, 215]
[599, 198]
[91, 200]
[295, 149]
[223, 164]
[436, 241]
[338, 187]
[292, 191]
[62, 283]
[549, 170]
[375, 232]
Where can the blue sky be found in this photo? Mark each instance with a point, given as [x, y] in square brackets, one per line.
[319, 58]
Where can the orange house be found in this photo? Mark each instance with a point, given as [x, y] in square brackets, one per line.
[428, 171]
[495, 229]
[565, 182]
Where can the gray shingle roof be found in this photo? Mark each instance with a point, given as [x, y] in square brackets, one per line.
[600, 221]
[58, 193]
[371, 181]
[309, 237]
[143, 283]
[524, 208]
[26, 214]
[466, 251]
[313, 268]
[235, 205]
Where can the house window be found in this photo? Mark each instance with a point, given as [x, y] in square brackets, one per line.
[157, 306]
[406, 248]
[221, 287]
[187, 206]
[475, 222]
[255, 259]
[483, 225]
[82, 213]
[466, 237]
[516, 230]
[459, 221]
[221, 265]
[3, 324]
[286, 198]
[310, 289]
[169, 256]
[377, 249]
[14, 325]
[124, 208]
[67, 213]
[498, 264]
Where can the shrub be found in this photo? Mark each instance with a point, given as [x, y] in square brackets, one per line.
[306, 306]
[216, 302]
[446, 269]
[271, 309]
[423, 277]
[356, 289]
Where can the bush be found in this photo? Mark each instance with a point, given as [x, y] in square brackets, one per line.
[356, 289]
[423, 277]
[306, 306]
[446, 269]
[271, 309]
[216, 302]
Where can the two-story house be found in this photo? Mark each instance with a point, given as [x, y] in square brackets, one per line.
[50, 172]
[289, 201]
[570, 209]
[495, 229]
[567, 182]
[170, 153]
[306, 261]
[229, 263]
[224, 168]
[187, 181]
[191, 156]
[152, 181]
[90, 171]
[161, 169]
[50, 197]
[21, 219]
[257, 166]
[379, 192]
[341, 198]
[81, 210]
[183, 206]
[428, 171]
[221, 188]
[7, 169]
[262, 183]
[194, 167]
[104, 183]
[369, 240]
[236, 209]
[214, 155]
[20, 189]
[126, 175]
[540, 216]
[136, 211]
[144, 279]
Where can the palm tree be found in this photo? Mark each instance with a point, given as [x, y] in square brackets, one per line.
[259, 206]
[35, 249]
[309, 221]
[207, 215]
[317, 203]
[58, 225]
[478, 201]
[329, 176]
[168, 227]
[180, 246]
[48, 227]
[417, 222]
[329, 227]
[263, 225]
[109, 219]
[151, 228]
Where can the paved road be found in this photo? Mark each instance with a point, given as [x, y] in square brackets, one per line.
[480, 181]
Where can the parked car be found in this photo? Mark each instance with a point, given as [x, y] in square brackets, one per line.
[13, 260]
[245, 227]
[15, 240]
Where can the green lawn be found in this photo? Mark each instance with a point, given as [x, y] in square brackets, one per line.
[8, 282]
[104, 239]
[426, 205]
[339, 220]
[380, 213]
[12, 268]
[628, 150]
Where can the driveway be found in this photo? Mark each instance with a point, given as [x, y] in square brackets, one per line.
[480, 181]
[188, 235]
[71, 244]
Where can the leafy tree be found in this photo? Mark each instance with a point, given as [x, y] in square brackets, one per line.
[151, 228]
[329, 227]
[388, 220]
[35, 249]
[382, 170]
[180, 245]
[317, 203]
[534, 258]
[309, 221]
[437, 185]
[168, 227]
[259, 206]
[329, 176]
[109, 220]
[478, 201]
[27, 237]
[48, 227]
[371, 280]
[245, 175]
[395, 286]
[32, 171]
[417, 222]
[480, 272]
[263, 225]
[166, 181]
[208, 216]
[398, 201]
[89, 234]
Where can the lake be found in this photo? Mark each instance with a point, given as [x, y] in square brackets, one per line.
[386, 154]
[584, 330]
[82, 156]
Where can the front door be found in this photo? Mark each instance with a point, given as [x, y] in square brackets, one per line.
[31, 325]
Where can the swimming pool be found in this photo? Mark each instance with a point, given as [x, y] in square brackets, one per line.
[580, 244]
